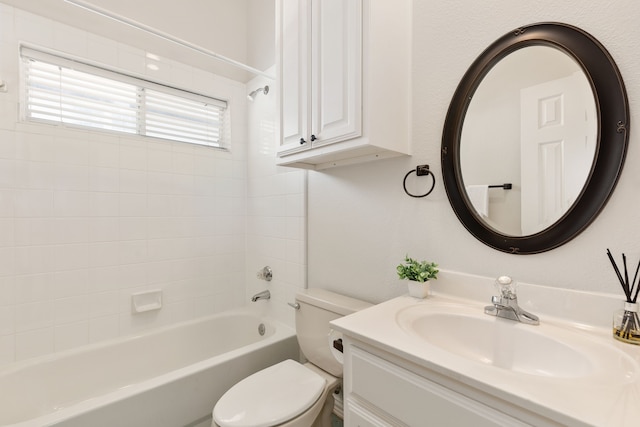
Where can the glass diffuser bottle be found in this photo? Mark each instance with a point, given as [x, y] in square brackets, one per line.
[626, 326]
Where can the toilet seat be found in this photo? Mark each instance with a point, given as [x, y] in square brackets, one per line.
[269, 397]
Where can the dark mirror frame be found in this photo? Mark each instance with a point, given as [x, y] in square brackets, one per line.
[612, 111]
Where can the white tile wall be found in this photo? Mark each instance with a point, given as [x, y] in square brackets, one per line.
[88, 218]
[276, 211]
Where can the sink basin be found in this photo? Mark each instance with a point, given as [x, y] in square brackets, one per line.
[542, 350]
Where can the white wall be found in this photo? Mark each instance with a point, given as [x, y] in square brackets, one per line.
[88, 218]
[360, 221]
[276, 210]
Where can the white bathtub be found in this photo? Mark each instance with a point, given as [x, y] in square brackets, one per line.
[171, 377]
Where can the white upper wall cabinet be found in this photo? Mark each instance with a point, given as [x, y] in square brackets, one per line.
[344, 78]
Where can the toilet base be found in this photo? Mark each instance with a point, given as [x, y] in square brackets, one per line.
[319, 414]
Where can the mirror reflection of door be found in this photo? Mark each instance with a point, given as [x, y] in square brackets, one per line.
[558, 129]
[546, 152]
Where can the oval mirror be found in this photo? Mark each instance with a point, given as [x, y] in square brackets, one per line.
[535, 138]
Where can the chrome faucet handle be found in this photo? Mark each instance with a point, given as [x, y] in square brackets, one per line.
[505, 304]
[507, 287]
[265, 273]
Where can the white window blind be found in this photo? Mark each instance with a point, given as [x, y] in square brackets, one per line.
[181, 119]
[65, 91]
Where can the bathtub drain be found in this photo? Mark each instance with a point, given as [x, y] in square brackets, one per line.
[261, 329]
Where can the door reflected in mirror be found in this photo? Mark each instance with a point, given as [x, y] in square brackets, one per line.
[532, 123]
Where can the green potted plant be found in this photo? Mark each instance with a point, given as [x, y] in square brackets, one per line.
[418, 274]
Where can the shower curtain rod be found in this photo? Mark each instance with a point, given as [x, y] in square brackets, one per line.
[137, 25]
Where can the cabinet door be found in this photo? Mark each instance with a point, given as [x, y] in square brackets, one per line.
[294, 45]
[336, 63]
[412, 399]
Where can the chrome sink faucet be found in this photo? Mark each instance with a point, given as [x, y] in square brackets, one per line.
[261, 295]
[506, 305]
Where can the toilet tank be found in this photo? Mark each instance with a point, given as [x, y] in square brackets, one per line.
[317, 308]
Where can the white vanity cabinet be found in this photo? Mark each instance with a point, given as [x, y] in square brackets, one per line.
[441, 361]
[382, 390]
[344, 76]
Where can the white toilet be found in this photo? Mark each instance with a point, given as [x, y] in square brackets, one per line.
[290, 394]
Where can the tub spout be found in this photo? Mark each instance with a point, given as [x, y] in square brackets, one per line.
[262, 295]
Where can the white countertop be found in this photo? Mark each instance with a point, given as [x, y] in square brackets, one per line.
[578, 401]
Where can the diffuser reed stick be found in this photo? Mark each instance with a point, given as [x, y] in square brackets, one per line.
[626, 325]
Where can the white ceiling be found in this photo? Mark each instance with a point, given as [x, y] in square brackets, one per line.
[220, 26]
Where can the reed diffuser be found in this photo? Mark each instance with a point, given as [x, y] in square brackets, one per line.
[626, 325]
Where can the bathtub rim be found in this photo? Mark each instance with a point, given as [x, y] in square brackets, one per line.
[24, 363]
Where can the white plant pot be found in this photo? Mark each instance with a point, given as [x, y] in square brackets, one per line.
[418, 289]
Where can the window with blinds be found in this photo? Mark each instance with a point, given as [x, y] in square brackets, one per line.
[64, 91]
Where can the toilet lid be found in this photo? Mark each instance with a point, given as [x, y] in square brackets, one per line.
[269, 397]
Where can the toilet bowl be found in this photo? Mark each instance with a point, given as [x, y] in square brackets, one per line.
[291, 394]
[286, 394]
